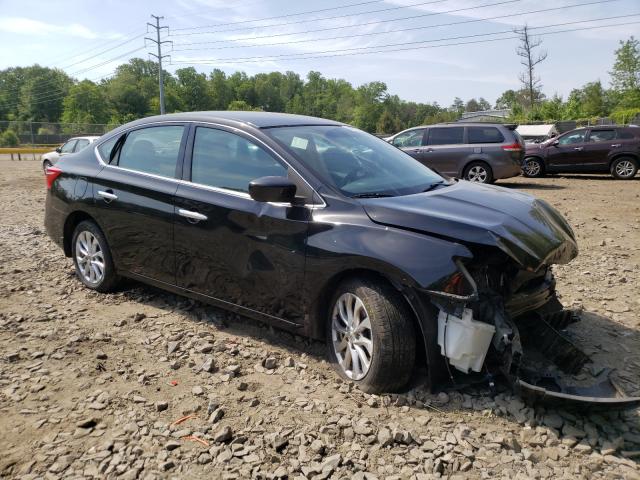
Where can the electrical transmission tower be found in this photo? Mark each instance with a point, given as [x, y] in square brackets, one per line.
[159, 56]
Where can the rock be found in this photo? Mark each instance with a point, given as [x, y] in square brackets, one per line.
[384, 437]
[223, 435]
[331, 463]
[89, 422]
[216, 415]
[208, 365]
[571, 431]
[270, 363]
[317, 446]
[161, 406]
[172, 347]
[197, 390]
[243, 386]
[168, 465]
[172, 445]
[101, 355]
[553, 420]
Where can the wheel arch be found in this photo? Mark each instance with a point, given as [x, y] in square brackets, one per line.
[70, 224]
[618, 155]
[319, 312]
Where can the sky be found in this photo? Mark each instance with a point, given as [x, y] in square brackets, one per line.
[426, 51]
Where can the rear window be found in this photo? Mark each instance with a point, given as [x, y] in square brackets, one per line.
[484, 135]
[446, 136]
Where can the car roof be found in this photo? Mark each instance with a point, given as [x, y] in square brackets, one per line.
[88, 137]
[254, 119]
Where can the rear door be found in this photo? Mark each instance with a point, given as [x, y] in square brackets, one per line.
[568, 155]
[445, 150]
[229, 246]
[134, 198]
[596, 150]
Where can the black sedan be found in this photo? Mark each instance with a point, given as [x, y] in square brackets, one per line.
[316, 227]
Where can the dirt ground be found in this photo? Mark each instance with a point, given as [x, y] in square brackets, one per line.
[144, 384]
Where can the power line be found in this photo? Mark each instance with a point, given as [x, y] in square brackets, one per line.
[105, 51]
[284, 16]
[401, 7]
[544, 10]
[349, 52]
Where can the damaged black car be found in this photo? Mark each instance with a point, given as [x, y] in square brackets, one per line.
[332, 233]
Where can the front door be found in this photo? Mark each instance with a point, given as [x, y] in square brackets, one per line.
[134, 199]
[568, 154]
[229, 246]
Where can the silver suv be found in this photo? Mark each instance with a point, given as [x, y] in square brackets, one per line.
[478, 152]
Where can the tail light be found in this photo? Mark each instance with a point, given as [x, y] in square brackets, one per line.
[513, 147]
[51, 173]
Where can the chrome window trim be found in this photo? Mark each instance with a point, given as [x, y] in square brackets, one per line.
[199, 185]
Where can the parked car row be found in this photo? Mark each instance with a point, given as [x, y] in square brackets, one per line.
[488, 152]
[327, 231]
[72, 145]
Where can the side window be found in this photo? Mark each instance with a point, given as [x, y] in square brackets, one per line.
[602, 135]
[412, 138]
[484, 135]
[152, 150]
[225, 160]
[625, 135]
[571, 138]
[446, 136]
[106, 147]
[68, 147]
[83, 142]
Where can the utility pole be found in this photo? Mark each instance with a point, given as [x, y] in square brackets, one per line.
[159, 56]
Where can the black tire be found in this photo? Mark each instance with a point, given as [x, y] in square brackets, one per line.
[478, 172]
[108, 280]
[393, 336]
[46, 164]
[624, 168]
[533, 167]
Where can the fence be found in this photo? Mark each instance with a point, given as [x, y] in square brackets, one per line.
[51, 133]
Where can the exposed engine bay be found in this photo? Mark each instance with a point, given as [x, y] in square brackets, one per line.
[497, 318]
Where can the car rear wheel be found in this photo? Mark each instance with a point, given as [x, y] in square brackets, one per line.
[370, 336]
[624, 168]
[92, 258]
[478, 172]
[533, 167]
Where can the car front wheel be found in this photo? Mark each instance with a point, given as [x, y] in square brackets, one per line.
[478, 172]
[370, 336]
[624, 168]
[533, 167]
[92, 258]
[46, 164]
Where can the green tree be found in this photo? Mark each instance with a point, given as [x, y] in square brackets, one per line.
[85, 103]
[241, 105]
[9, 138]
[192, 90]
[625, 75]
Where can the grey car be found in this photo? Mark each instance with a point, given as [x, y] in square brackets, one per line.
[478, 152]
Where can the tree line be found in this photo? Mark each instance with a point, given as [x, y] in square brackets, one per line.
[41, 94]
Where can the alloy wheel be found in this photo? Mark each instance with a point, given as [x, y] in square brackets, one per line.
[477, 174]
[532, 168]
[89, 257]
[624, 168]
[352, 336]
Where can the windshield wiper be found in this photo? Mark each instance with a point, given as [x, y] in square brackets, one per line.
[434, 185]
[371, 195]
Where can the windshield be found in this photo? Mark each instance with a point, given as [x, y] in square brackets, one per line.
[354, 162]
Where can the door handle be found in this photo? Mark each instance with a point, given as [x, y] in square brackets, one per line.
[108, 196]
[191, 215]
[616, 145]
[579, 149]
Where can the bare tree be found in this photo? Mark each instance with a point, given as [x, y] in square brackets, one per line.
[530, 59]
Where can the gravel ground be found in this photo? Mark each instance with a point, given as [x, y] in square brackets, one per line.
[144, 384]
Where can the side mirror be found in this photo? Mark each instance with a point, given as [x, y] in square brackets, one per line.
[59, 149]
[555, 143]
[272, 189]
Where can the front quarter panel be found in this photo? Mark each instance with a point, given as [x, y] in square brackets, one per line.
[346, 240]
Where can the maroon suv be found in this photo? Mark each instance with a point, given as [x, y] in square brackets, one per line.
[603, 149]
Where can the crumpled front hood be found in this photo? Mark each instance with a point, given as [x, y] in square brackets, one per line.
[527, 229]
